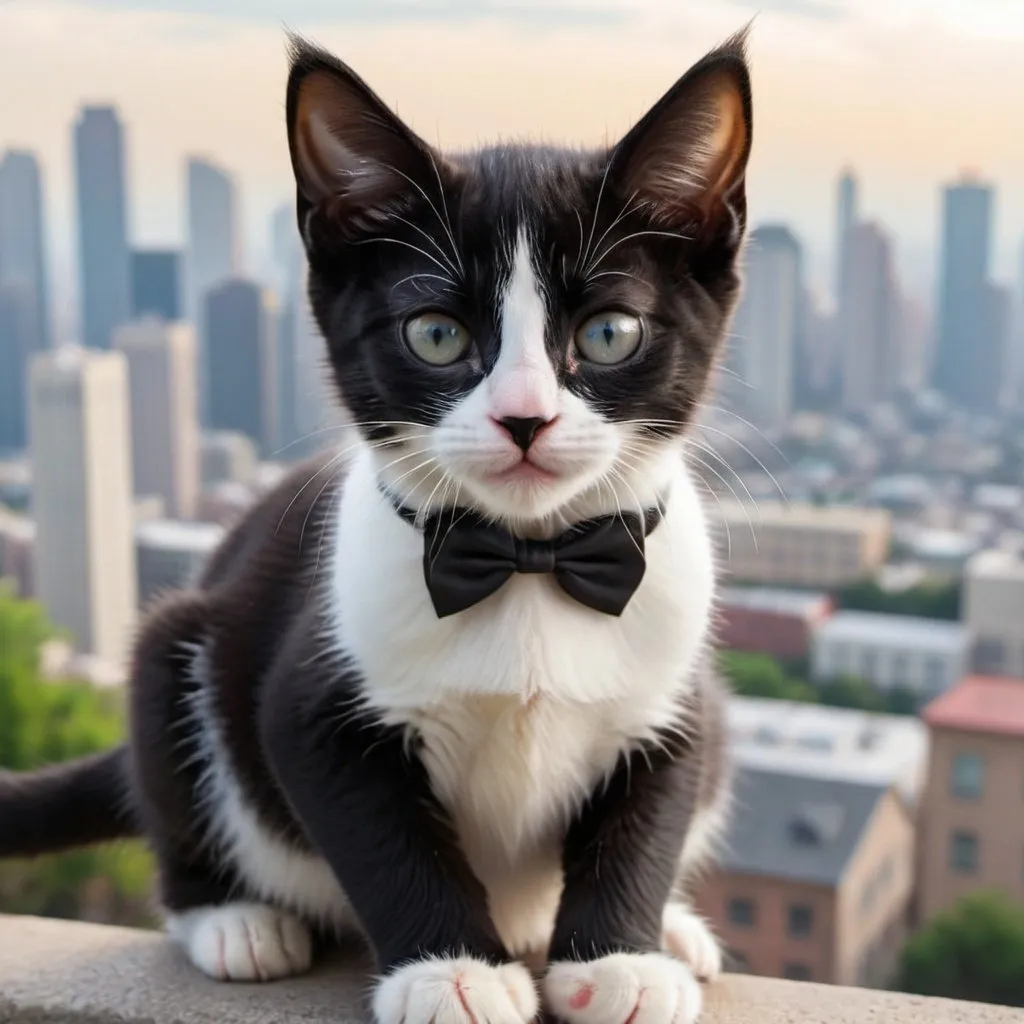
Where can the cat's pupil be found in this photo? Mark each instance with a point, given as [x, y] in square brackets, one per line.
[608, 331]
[437, 334]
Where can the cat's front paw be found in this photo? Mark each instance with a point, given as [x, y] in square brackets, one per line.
[686, 935]
[624, 988]
[243, 941]
[456, 991]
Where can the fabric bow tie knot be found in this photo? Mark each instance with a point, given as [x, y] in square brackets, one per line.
[599, 562]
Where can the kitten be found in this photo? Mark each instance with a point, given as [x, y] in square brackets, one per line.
[450, 687]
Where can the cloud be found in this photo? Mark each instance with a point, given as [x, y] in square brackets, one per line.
[536, 14]
[818, 10]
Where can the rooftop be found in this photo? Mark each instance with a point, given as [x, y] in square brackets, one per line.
[63, 972]
[775, 599]
[986, 704]
[177, 535]
[810, 517]
[796, 827]
[829, 743]
[932, 635]
[997, 564]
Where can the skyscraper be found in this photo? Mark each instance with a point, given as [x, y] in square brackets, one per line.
[102, 225]
[213, 244]
[164, 411]
[82, 497]
[17, 317]
[767, 326]
[22, 242]
[869, 318]
[847, 214]
[156, 286]
[965, 348]
[241, 361]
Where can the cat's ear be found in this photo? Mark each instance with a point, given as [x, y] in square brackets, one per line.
[686, 160]
[351, 155]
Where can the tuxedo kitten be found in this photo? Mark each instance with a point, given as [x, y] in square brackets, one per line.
[450, 687]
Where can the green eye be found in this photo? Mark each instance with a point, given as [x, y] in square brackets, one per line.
[437, 339]
[609, 338]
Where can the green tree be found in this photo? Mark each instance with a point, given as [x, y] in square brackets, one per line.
[44, 721]
[973, 952]
[927, 600]
[851, 692]
[758, 675]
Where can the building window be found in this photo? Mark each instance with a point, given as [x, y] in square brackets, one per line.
[963, 852]
[989, 655]
[934, 675]
[736, 962]
[796, 972]
[900, 669]
[869, 665]
[967, 777]
[801, 920]
[742, 912]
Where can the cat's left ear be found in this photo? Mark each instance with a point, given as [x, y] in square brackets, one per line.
[686, 160]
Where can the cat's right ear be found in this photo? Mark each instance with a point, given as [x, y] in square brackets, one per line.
[353, 158]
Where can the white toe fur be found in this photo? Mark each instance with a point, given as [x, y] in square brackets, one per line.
[624, 988]
[243, 941]
[456, 991]
[687, 936]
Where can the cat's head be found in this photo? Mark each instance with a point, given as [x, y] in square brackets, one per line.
[521, 328]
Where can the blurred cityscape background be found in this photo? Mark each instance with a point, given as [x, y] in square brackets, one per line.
[863, 452]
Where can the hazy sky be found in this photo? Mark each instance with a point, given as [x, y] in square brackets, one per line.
[909, 91]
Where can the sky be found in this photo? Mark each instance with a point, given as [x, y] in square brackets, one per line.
[908, 92]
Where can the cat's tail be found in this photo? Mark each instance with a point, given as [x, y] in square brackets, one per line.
[67, 805]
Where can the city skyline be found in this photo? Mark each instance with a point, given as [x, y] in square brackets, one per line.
[814, 58]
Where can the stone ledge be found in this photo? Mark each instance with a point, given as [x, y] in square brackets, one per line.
[58, 972]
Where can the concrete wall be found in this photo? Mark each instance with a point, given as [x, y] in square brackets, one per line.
[55, 972]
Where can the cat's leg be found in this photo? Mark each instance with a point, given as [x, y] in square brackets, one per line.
[364, 798]
[242, 941]
[224, 935]
[686, 935]
[621, 859]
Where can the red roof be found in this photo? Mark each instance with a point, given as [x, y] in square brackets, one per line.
[980, 704]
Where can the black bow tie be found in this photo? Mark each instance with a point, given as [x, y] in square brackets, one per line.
[599, 562]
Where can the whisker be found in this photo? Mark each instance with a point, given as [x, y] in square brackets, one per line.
[598, 260]
[423, 252]
[740, 444]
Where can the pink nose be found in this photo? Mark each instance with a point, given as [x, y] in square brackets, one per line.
[523, 429]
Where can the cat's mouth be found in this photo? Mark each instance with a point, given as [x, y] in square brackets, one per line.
[523, 471]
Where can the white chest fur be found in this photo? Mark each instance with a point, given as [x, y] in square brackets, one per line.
[526, 700]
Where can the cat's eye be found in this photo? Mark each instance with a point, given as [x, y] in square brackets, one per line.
[437, 339]
[609, 338]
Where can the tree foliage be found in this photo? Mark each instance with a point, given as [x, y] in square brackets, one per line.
[760, 675]
[973, 952]
[927, 600]
[41, 722]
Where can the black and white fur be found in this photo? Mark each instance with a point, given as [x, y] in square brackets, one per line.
[527, 782]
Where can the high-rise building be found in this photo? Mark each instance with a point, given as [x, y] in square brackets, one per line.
[847, 214]
[966, 349]
[868, 327]
[82, 497]
[767, 325]
[22, 241]
[213, 243]
[241, 361]
[17, 316]
[102, 225]
[212, 254]
[156, 288]
[164, 411]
